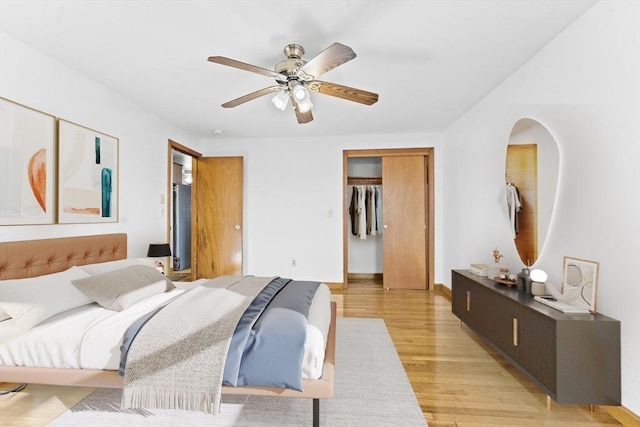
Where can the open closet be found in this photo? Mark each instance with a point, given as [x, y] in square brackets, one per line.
[365, 231]
[396, 242]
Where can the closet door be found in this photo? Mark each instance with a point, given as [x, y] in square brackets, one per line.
[404, 222]
[217, 235]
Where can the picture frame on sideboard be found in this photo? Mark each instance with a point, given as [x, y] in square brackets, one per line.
[580, 279]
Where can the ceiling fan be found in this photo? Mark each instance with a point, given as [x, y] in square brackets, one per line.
[296, 78]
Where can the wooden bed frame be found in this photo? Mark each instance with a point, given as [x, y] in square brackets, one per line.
[38, 257]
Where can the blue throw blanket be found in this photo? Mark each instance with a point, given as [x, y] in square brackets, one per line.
[267, 347]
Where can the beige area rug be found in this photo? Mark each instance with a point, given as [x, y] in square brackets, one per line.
[371, 389]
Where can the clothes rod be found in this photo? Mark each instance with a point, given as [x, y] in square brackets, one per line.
[364, 180]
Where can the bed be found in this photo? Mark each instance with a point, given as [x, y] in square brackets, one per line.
[30, 259]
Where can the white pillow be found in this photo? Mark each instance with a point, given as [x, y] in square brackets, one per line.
[105, 267]
[33, 300]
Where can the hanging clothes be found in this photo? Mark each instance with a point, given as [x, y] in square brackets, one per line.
[369, 208]
[362, 212]
[378, 209]
[365, 211]
[353, 211]
[514, 206]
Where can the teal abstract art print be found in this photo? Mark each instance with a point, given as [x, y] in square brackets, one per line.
[87, 175]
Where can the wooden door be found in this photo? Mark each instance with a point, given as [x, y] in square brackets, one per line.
[404, 222]
[217, 214]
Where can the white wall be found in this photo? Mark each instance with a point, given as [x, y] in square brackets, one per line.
[30, 78]
[290, 184]
[584, 87]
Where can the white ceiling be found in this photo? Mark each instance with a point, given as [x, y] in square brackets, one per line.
[430, 61]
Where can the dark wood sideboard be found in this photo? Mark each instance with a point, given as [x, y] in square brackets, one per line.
[573, 358]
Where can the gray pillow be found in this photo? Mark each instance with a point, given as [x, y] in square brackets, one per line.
[105, 267]
[118, 289]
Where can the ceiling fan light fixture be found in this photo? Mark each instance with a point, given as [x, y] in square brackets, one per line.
[300, 93]
[302, 98]
[281, 100]
[305, 106]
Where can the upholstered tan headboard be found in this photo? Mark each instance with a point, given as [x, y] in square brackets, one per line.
[32, 258]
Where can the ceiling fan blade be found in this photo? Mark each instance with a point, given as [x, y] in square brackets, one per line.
[251, 96]
[244, 66]
[304, 117]
[328, 59]
[344, 92]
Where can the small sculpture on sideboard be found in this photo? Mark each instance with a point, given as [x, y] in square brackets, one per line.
[496, 268]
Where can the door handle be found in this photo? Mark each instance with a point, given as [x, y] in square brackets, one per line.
[384, 226]
[237, 227]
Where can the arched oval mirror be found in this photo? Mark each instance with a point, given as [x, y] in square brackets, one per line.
[531, 179]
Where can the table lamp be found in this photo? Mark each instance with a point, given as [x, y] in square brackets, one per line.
[157, 250]
[538, 277]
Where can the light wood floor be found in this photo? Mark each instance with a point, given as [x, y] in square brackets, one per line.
[458, 380]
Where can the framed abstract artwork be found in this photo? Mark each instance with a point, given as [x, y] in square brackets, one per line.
[27, 165]
[87, 175]
[580, 281]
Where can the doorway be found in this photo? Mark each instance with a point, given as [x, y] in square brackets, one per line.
[179, 213]
[407, 236]
[216, 212]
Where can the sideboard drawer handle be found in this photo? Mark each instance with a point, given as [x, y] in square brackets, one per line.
[515, 331]
[468, 300]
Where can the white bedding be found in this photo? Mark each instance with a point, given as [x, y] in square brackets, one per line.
[89, 337]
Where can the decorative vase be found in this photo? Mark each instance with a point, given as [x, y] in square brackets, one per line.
[524, 281]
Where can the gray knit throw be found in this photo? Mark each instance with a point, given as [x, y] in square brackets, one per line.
[177, 359]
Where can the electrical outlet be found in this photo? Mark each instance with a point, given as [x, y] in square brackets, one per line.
[293, 262]
[330, 213]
